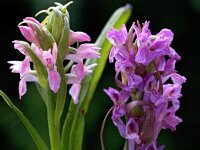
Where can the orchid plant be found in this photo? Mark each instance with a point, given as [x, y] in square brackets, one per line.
[55, 57]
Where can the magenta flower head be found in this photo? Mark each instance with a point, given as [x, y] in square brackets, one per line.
[49, 45]
[150, 81]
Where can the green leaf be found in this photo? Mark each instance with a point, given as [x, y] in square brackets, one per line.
[74, 124]
[34, 134]
[64, 41]
[120, 17]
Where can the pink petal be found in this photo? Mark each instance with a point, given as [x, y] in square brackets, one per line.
[74, 92]
[25, 66]
[73, 57]
[15, 66]
[78, 37]
[85, 47]
[29, 34]
[23, 85]
[19, 47]
[33, 20]
[79, 71]
[55, 51]
[89, 54]
[38, 51]
[71, 78]
[30, 20]
[54, 80]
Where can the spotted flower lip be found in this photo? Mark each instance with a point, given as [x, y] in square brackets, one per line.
[49, 58]
[132, 130]
[151, 81]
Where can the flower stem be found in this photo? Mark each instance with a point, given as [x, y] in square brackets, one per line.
[54, 125]
[102, 128]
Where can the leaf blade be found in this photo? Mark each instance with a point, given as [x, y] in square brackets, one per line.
[75, 119]
[34, 134]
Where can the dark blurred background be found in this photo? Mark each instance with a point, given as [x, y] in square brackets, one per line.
[181, 16]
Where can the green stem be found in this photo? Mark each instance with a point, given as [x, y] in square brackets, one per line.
[54, 125]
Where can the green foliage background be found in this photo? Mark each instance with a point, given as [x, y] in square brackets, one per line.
[182, 16]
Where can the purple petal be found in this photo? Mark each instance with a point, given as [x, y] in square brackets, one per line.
[178, 79]
[145, 28]
[172, 54]
[166, 34]
[113, 94]
[161, 64]
[114, 50]
[156, 98]
[169, 66]
[118, 111]
[170, 120]
[142, 56]
[120, 125]
[134, 80]
[132, 130]
[117, 37]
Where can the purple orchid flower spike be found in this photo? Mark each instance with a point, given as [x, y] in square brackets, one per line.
[151, 81]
